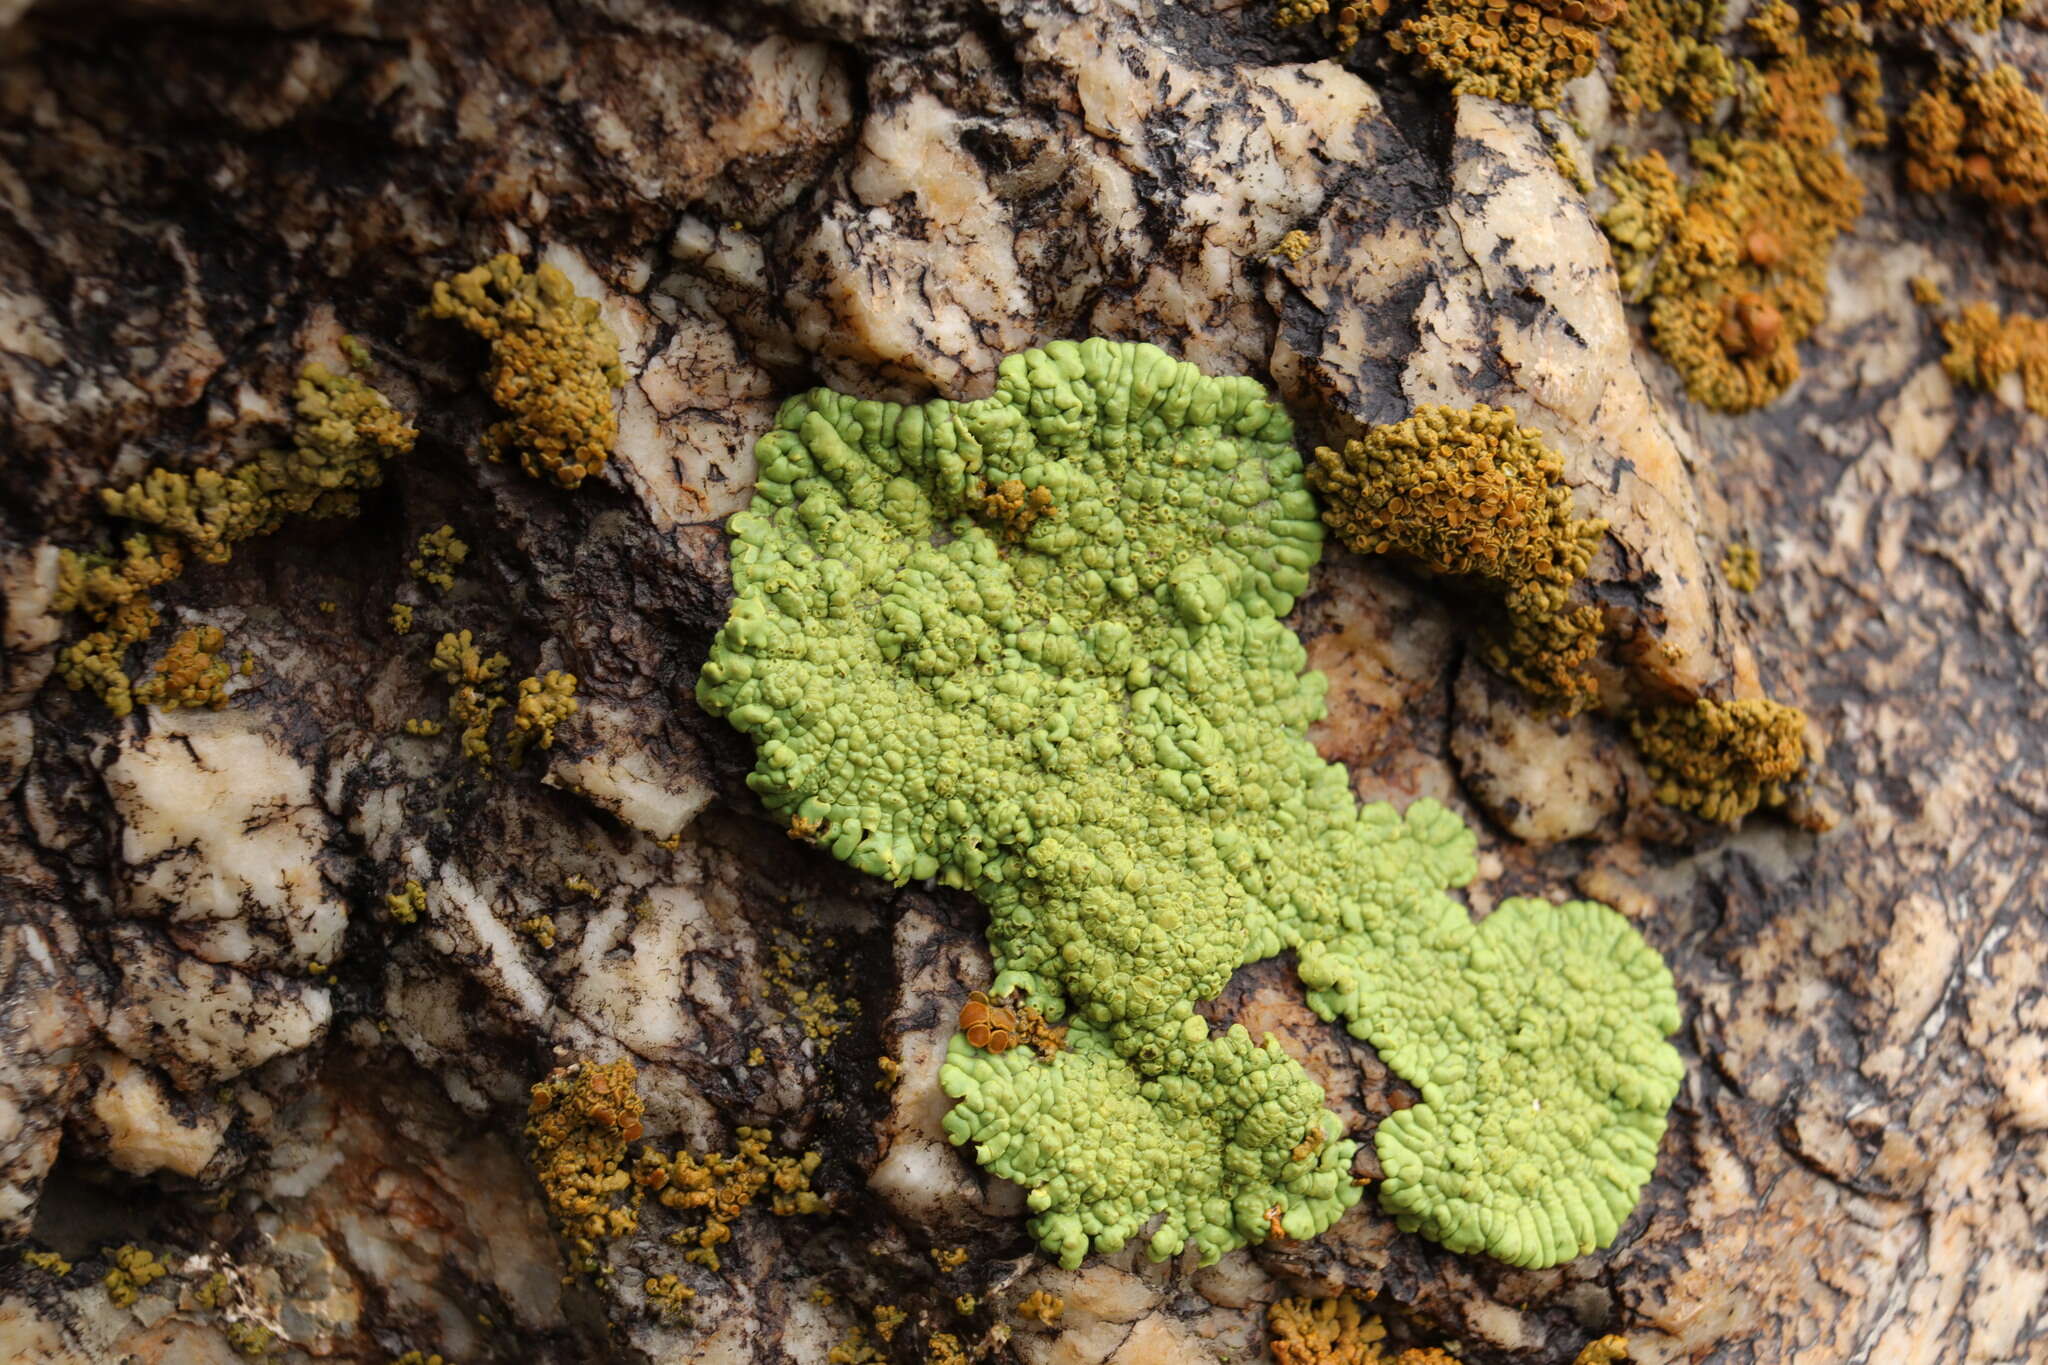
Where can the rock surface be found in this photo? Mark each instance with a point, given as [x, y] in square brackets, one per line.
[218, 1042]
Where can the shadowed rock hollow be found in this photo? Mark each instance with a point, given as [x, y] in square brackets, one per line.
[221, 1041]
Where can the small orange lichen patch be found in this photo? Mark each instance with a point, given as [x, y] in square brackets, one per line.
[191, 673]
[1521, 51]
[1468, 494]
[722, 1187]
[987, 1024]
[579, 1123]
[478, 681]
[1740, 275]
[1721, 760]
[1035, 1033]
[1013, 507]
[554, 364]
[1042, 1307]
[1333, 1331]
[1988, 136]
[853, 1349]
[1984, 348]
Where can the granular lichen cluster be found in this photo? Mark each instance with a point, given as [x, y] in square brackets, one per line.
[719, 1188]
[134, 1270]
[343, 432]
[1722, 759]
[1740, 277]
[191, 672]
[407, 903]
[1665, 53]
[554, 364]
[540, 704]
[478, 691]
[1983, 348]
[1101, 732]
[1468, 494]
[1521, 51]
[1336, 1331]
[580, 1122]
[1986, 136]
[1742, 566]
[439, 554]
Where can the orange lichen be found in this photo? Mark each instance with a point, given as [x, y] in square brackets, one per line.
[1984, 348]
[988, 1024]
[1721, 760]
[1665, 53]
[1334, 1331]
[1468, 494]
[1014, 508]
[580, 1122]
[191, 673]
[554, 364]
[1987, 137]
[1521, 51]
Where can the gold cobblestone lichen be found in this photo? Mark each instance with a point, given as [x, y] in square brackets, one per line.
[439, 554]
[1648, 203]
[1722, 759]
[1665, 53]
[720, 1188]
[1986, 136]
[191, 673]
[1983, 348]
[554, 364]
[1337, 1331]
[133, 1271]
[1468, 494]
[543, 702]
[1521, 51]
[579, 1123]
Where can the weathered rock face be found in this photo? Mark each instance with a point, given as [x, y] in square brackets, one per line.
[221, 1043]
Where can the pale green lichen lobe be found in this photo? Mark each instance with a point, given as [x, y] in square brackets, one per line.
[1098, 726]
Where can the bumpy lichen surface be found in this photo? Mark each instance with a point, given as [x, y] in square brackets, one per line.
[1467, 493]
[343, 432]
[554, 364]
[1723, 759]
[580, 1122]
[1521, 51]
[1987, 137]
[1100, 730]
[191, 673]
[1983, 348]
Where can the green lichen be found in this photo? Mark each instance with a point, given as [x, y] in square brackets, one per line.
[1100, 730]
[554, 364]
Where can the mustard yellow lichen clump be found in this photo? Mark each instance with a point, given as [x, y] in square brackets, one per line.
[439, 554]
[342, 433]
[1721, 760]
[554, 364]
[49, 1262]
[1336, 1331]
[1984, 348]
[1983, 15]
[1648, 203]
[1044, 1307]
[1742, 567]
[478, 680]
[1988, 138]
[191, 673]
[1665, 53]
[1468, 494]
[1512, 50]
[133, 1271]
[722, 1187]
[544, 701]
[579, 1123]
[668, 1296]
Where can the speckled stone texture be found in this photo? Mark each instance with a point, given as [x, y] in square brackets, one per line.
[216, 1042]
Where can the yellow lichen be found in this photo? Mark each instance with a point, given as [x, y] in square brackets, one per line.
[251, 1338]
[216, 1292]
[950, 1259]
[1647, 206]
[1742, 277]
[342, 433]
[191, 673]
[1742, 567]
[1989, 138]
[1926, 292]
[892, 1072]
[1983, 15]
[49, 1262]
[853, 1349]
[133, 1271]
[541, 929]
[439, 553]
[581, 885]
[1467, 494]
[479, 690]
[554, 364]
[1607, 1350]
[965, 1304]
[580, 1122]
[1014, 508]
[423, 726]
[1511, 50]
[823, 1013]
[721, 1187]
[1984, 348]
[1665, 53]
[400, 618]
[668, 1296]
[1295, 245]
[544, 701]
[1721, 760]
[1041, 1306]
[1334, 1331]
[1034, 1032]
[418, 1358]
[944, 1349]
[888, 1317]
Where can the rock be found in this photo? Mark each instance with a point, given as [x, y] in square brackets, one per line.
[221, 1040]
